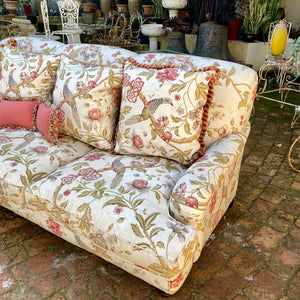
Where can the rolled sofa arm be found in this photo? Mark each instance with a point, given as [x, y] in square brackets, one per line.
[202, 195]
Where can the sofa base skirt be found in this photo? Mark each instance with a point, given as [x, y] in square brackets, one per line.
[168, 285]
[12, 198]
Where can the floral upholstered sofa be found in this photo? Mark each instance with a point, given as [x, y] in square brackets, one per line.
[133, 157]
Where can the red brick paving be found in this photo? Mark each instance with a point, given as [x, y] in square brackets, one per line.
[254, 252]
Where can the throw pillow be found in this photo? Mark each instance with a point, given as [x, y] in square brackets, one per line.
[47, 122]
[18, 113]
[27, 75]
[164, 111]
[88, 97]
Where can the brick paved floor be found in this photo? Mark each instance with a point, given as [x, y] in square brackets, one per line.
[254, 252]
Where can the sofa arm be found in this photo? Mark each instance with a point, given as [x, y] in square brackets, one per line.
[202, 195]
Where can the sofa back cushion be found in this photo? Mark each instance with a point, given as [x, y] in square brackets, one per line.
[27, 75]
[233, 94]
[97, 54]
[88, 97]
[33, 44]
[163, 111]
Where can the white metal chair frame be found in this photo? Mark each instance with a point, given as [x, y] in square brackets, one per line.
[45, 16]
[69, 13]
[284, 69]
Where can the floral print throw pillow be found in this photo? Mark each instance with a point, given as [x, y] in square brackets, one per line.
[25, 75]
[88, 97]
[164, 110]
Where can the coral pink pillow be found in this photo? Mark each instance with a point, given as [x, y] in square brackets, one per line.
[18, 113]
[47, 122]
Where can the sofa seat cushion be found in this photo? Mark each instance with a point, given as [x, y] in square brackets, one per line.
[121, 204]
[27, 156]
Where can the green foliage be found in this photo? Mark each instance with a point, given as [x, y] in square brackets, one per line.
[256, 16]
[273, 13]
[159, 11]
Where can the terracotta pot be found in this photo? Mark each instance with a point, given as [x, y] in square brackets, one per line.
[122, 8]
[148, 10]
[183, 14]
[87, 7]
[11, 6]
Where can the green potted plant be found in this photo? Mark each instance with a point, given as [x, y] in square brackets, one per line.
[160, 12]
[255, 17]
[274, 13]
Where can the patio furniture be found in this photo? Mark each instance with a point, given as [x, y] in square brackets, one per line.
[285, 69]
[69, 11]
[150, 204]
[8, 29]
[117, 30]
[45, 16]
[290, 154]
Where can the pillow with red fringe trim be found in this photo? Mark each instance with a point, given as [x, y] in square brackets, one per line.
[14, 113]
[47, 122]
[164, 111]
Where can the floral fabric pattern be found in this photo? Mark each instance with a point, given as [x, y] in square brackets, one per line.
[120, 203]
[27, 75]
[162, 111]
[34, 44]
[98, 54]
[234, 92]
[27, 156]
[202, 195]
[149, 215]
[88, 98]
